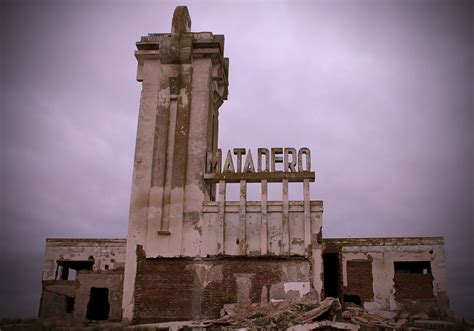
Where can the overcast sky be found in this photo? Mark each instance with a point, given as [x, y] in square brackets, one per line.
[380, 91]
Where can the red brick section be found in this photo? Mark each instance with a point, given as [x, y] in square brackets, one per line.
[414, 286]
[163, 287]
[359, 280]
[169, 289]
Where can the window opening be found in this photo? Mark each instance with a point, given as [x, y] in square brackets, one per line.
[412, 267]
[67, 270]
[70, 301]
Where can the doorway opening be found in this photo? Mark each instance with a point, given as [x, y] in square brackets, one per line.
[98, 306]
[70, 301]
[331, 274]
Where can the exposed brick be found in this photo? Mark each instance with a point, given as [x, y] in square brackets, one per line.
[413, 286]
[170, 288]
[359, 280]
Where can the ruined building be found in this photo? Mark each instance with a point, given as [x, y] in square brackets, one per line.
[189, 251]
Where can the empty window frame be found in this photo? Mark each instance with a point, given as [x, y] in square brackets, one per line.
[67, 270]
[413, 267]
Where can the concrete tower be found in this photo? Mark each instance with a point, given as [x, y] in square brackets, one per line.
[184, 82]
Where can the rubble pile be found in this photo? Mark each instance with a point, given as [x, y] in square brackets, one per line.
[279, 315]
[306, 313]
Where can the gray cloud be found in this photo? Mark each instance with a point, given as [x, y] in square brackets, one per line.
[380, 91]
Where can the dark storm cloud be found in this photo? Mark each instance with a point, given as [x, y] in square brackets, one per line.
[380, 91]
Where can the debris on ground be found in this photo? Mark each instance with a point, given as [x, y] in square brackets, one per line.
[297, 314]
[306, 313]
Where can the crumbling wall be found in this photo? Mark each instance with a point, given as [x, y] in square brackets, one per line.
[94, 263]
[184, 288]
[111, 280]
[359, 280]
[413, 280]
[107, 254]
[413, 286]
[64, 299]
[54, 299]
[390, 289]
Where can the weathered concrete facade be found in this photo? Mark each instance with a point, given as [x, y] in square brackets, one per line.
[75, 271]
[184, 80]
[189, 250]
[173, 210]
[392, 273]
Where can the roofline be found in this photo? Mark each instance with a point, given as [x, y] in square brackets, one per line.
[381, 240]
[78, 240]
[392, 238]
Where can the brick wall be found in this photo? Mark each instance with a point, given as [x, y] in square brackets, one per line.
[359, 280]
[181, 288]
[413, 286]
[164, 286]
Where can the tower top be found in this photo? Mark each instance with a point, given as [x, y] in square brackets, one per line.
[181, 20]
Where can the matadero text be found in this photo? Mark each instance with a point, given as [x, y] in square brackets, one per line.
[277, 159]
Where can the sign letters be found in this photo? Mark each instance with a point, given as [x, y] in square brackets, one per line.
[276, 159]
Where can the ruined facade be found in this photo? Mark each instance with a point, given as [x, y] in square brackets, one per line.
[189, 251]
[83, 279]
[388, 273]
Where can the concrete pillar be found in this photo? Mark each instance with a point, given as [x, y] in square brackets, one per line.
[221, 219]
[264, 219]
[141, 178]
[307, 216]
[286, 241]
[242, 218]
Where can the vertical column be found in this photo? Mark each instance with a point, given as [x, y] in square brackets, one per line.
[221, 218]
[194, 189]
[168, 169]
[264, 219]
[307, 215]
[146, 144]
[179, 160]
[242, 216]
[285, 232]
[157, 194]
